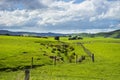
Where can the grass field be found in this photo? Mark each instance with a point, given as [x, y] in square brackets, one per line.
[16, 53]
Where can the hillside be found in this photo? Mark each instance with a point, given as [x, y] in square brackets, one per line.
[112, 34]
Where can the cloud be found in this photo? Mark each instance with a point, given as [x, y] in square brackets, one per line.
[13, 18]
[109, 10]
[59, 15]
[24, 4]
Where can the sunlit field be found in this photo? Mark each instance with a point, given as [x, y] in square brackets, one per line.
[16, 53]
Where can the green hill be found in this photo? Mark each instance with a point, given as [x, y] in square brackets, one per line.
[113, 34]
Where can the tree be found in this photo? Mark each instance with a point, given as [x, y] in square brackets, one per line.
[57, 38]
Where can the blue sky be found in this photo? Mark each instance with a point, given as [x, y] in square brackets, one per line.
[60, 16]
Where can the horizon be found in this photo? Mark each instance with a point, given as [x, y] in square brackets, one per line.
[60, 16]
[62, 33]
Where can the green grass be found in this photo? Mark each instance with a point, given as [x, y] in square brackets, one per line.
[17, 52]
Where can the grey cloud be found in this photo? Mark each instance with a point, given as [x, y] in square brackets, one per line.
[81, 25]
[21, 4]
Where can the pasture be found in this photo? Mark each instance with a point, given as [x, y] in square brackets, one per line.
[16, 53]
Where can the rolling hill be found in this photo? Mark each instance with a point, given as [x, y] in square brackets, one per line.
[112, 34]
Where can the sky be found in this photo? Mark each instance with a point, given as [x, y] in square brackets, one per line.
[60, 16]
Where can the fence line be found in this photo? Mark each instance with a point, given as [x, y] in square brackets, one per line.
[89, 53]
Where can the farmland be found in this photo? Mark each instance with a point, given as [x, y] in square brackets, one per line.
[16, 53]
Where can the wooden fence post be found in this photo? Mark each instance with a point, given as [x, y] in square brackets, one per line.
[32, 63]
[76, 58]
[27, 74]
[93, 58]
[70, 59]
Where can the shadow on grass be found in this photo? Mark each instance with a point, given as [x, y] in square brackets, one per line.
[8, 69]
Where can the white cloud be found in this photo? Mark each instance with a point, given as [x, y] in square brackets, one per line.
[17, 17]
[46, 2]
[113, 12]
[108, 10]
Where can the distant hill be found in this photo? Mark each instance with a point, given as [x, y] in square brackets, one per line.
[6, 32]
[113, 34]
